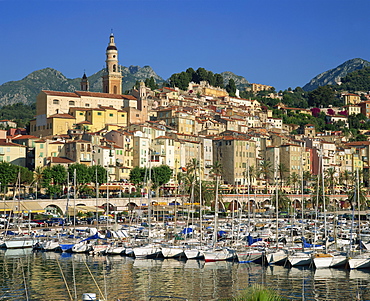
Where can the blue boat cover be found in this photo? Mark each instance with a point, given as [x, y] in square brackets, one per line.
[187, 230]
[308, 245]
[252, 240]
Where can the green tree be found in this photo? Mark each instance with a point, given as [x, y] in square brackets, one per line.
[331, 178]
[52, 179]
[219, 80]
[322, 96]
[82, 174]
[150, 82]
[97, 174]
[160, 175]
[294, 180]
[231, 87]
[137, 176]
[216, 171]
[283, 170]
[265, 169]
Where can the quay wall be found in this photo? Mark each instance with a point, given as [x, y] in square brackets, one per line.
[256, 200]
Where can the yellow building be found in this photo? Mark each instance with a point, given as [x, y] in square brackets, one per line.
[12, 153]
[204, 88]
[235, 154]
[57, 124]
[258, 87]
[351, 98]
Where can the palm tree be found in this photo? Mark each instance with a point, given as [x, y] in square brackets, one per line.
[282, 169]
[193, 166]
[265, 169]
[330, 176]
[345, 178]
[307, 177]
[293, 180]
[37, 178]
[358, 200]
[216, 171]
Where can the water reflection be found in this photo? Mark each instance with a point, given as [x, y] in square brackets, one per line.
[141, 279]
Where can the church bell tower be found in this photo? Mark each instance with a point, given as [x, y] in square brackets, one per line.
[112, 77]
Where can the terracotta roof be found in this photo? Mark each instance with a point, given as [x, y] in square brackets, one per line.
[108, 108]
[25, 137]
[60, 160]
[4, 143]
[59, 93]
[97, 94]
[358, 143]
[66, 116]
[129, 97]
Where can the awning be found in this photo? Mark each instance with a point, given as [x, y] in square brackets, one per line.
[24, 206]
[84, 209]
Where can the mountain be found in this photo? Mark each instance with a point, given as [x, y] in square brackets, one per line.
[240, 82]
[333, 76]
[26, 89]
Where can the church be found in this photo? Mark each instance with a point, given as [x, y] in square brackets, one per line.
[57, 112]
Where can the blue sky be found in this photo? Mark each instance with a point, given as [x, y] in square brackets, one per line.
[280, 43]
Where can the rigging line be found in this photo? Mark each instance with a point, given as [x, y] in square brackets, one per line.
[93, 278]
[65, 281]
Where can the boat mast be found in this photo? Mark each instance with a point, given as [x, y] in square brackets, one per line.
[200, 198]
[149, 195]
[74, 200]
[302, 192]
[215, 230]
[277, 206]
[323, 193]
[97, 196]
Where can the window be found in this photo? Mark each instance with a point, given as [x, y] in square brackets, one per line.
[87, 105]
[55, 101]
[41, 155]
[110, 115]
[99, 113]
[71, 103]
[41, 146]
[7, 158]
[81, 114]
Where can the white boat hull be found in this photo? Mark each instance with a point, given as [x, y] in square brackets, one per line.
[194, 253]
[277, 257]
[19, 243]
[219, 255]
[172, 252]
[300, 259]
[250, 256]
[322, 261]
[147, 252]
[359, 262]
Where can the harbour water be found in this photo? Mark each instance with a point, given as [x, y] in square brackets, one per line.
[26, 275]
